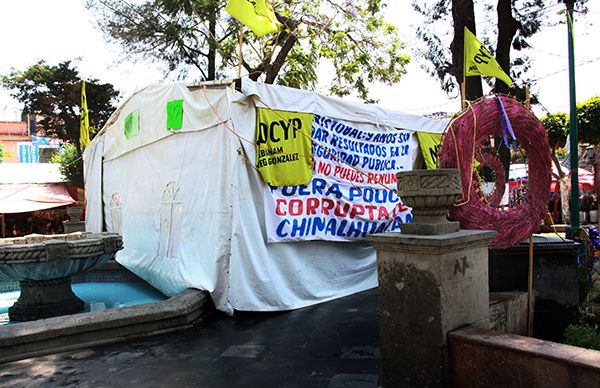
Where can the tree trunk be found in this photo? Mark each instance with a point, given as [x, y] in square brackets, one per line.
[463, 14]
[507, 28]
[565, 198]
[212, 48]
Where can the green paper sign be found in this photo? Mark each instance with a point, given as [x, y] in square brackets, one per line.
[175, 114]
[132, 124]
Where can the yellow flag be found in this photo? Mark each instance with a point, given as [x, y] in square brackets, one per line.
[258, 15]
[284, 147]
[479, 61]
[430, 144]
[84, 122]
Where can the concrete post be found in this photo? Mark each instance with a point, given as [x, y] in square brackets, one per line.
[429, 285]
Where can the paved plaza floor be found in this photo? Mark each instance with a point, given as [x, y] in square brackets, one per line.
[333, 344]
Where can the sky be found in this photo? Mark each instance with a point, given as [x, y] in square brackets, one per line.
[59, 30]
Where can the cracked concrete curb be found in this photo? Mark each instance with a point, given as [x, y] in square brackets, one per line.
[69, 332]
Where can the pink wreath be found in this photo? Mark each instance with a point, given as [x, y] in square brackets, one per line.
[488, 159]
[468, 132]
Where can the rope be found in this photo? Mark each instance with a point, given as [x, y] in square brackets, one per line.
[464, 201]
[318, 144]
[339, 161]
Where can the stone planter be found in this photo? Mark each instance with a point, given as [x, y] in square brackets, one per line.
[430, 193]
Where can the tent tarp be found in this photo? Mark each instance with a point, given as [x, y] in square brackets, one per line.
[20, 198]
[189, 203]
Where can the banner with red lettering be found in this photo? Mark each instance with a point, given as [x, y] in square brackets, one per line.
[352, 192]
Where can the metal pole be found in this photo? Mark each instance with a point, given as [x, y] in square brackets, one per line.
[530, 290]
[573, 134]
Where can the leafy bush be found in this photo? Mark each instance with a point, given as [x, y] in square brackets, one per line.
[71, 164]
[583, 335]
[557, 127]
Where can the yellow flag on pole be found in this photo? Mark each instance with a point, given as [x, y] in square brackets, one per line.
[84, 122]
[479, 61]
[430, 144]
[258, 15]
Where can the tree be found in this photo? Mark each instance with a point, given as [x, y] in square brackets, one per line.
[54, 94]
[588, 118]
[517, 21]
[200, 35]
[557, 127]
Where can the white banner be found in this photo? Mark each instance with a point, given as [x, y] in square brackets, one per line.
[352, 190]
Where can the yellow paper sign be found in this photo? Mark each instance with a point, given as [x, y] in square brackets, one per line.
[430, 144]
[479, 61]
[284, 147]
[258, 15]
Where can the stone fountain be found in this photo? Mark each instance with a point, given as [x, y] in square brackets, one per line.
[43, 266]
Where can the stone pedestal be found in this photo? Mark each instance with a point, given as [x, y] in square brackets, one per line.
[74, 224]
[428, 286]
[44, 299]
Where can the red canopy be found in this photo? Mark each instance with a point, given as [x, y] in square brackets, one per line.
[586, 179]
[20, 198]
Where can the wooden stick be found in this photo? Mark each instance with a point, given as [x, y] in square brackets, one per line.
[241, 42]
[530, 290]
[463, 93]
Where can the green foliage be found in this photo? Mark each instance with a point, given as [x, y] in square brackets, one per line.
[54, 94]
[583, 335]
[351, 35]
[588, 120]
[557, 127]
[71, 164]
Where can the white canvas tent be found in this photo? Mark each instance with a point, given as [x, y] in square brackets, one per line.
[189, 204]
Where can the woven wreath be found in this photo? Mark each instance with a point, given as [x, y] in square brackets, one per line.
[490, 160]
[466, 134]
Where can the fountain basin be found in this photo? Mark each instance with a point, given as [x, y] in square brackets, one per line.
[43, 266]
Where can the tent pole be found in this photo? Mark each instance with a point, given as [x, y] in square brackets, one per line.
[573, 131]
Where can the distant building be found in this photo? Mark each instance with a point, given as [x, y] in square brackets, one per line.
[11, 134]
[19, 145]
